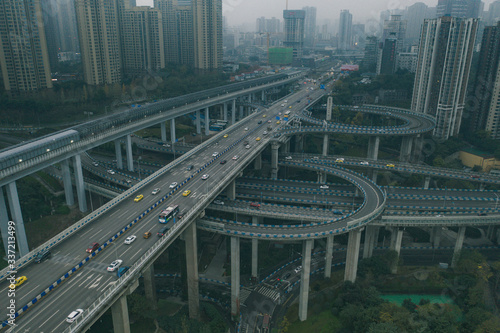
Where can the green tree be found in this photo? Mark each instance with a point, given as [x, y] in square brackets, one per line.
[284, 325]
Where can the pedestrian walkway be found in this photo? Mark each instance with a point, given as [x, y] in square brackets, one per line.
[268, 292]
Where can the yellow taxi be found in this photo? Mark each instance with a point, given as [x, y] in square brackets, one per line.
[138, 198]
[264, 116]
[278, 122]
[258, 139]
[290, 107]
[226, 135]
[390, 165]
[19, 281]
[186, 193]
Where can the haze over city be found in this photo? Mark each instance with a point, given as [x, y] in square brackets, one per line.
[244, 12]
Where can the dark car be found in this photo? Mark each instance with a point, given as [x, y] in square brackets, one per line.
[92, 247]
[162, 231]
[122, 270]
[286, 276]
[42, 256]
[223, 162]
[189, 168]
[260, 122]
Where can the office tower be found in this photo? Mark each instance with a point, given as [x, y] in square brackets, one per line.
[309, 26]
[445, 54]
[185, 38]
[493, 13]
[485, 109]
[415, 15]
[370, 58]
[345, 30]
[24, 60]
[395, 28]
[294, 31]
[388, 56]
[207, 30]
[98, 31]
[170, 35]
[458, 8]
[142, 40]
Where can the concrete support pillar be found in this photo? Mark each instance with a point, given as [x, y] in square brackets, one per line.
[118, 153]
[305, 276]
[274, 160]
[130, 157]
[329, 254]
[241, 112]
[149, 285]
[68, 186]
[80, 187]
[351, 263]
[198, 122]
[263, 96]
[397, 247]
[373, 144]
[4, 222]
[225, 111]
[173, 137]
[326, 141]
[207, 122]
[427, 181]
[255, 251]
[235, 276]
[321, 177]
[435, 236]
[405, 151]
[257, 164]
[418, 144]
[233, 112]
[490, 233]
[163, 130]
[192, 271]
[481, 187]
[458, 246]
[299, 143]
[231, 190]
[249, 98]
[370, 233]
[286, 146]
[221, 111]
[119, 312]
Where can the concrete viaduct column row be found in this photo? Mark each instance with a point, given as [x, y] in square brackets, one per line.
[17, 217]
[371, 237]
[235, 276]
[274, 160]
[405, 151]
[373, 144]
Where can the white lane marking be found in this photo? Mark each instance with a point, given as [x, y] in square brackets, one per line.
[139, 250]
[55, 329]
[88, 277]
[49, 318]
[105, 284]
[96, 283]
[90, 229]
[99, 231]
[36, 287]
[117, 211]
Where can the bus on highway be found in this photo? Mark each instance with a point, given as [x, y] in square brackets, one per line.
[167, 214]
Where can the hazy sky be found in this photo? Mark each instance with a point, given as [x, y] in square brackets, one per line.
[246, 11]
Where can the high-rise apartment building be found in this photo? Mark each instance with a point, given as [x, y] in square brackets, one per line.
[24, 60]
[459, 8]
[444, 59]
[345, 30]
[395, 28]
[294, 31]
[99, 35]
[493, 15]
[415, 15]
[264, 25]
[207, 32]
[485, 113]
[309, 26]
[168, 10]
[142, 40]
[185, 38]
[370, 58]
[388, 56]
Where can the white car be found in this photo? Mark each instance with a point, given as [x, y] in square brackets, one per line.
[215, 154]
[364, 163]
[114, 265]
[324, 187]
[235, 157]
[246, 128]
[288, 158]
[74, 315]
[205, 176]
[219, 202]
[130, 239]
[95, 164]
[111, 172]
[265, 133]
[173, 185]
[247, 146]
[439, 215]
[269, 121]
[298, 269]
[155, 191]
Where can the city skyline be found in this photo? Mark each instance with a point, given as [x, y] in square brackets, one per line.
[239, 12]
